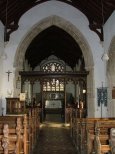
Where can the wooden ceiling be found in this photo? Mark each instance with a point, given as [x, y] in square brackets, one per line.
[54, 40]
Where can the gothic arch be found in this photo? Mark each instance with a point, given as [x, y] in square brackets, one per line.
[79, 38]
[61, 23]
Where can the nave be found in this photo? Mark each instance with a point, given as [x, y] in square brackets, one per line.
[54, 137]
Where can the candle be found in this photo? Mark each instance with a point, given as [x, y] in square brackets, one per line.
[81, 104]
[78, 105]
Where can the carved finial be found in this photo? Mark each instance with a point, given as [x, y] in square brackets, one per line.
[5, 140]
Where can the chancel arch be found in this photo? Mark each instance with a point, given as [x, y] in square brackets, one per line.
[77, 36]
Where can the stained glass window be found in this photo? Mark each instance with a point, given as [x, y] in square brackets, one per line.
[53, 85]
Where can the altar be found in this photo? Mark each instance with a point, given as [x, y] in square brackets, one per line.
[53, 106]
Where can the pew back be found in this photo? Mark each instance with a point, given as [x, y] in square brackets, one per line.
[91, 134]
[22, 132]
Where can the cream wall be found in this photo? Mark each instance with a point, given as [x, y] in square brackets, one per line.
[77, 19]
[1, 51]
[109, 47]
[109, 31]
[109, 34]
[1, 64]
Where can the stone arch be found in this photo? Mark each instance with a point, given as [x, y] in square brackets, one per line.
[79, 38]
[61, 23]
[111, 77]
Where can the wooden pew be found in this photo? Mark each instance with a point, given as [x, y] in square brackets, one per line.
[23, 129]
[33, 126]
[13, 135]
[85, 136]
[100, 139]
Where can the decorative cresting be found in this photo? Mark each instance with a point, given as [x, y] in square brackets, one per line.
[34, 76]
[5, 140]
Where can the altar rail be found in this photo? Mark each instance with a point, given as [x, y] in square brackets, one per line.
[93, 135]
[19, 133]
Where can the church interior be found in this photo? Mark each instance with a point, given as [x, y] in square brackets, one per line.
[57, 76]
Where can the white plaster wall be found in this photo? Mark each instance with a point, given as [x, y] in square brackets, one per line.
[1, 65]
[109, 31]
[1, 51]
[69, 13]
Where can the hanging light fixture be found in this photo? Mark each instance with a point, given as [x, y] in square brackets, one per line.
[105, 56]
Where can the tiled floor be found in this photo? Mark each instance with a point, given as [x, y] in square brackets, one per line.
[54, 137]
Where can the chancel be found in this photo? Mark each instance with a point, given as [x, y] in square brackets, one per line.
[57, 82]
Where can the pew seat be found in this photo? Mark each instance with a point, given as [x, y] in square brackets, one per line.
[105, 149]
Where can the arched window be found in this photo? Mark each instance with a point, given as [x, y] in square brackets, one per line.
[53, 67]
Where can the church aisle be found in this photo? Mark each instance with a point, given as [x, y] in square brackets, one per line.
[54, 139]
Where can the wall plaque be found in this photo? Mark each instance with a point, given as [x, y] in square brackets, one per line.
[22, 96]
